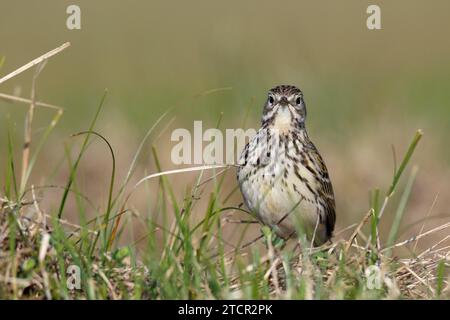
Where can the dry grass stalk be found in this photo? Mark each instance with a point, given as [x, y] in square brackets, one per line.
[35, 62]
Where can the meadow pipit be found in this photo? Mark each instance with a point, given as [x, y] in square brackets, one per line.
[281, 174]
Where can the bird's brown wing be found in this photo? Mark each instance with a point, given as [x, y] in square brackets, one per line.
[326, 194]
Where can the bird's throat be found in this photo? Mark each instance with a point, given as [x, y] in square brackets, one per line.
[283, 121]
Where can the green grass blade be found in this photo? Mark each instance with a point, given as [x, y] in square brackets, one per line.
[83, 149]
[375, 199]
[11, 172]
[405, 161]
[136, 155]
[401, 208]
[440, 275]
[111, 184]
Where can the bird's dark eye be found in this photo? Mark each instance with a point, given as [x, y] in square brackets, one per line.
[271, 99]
[298, 100]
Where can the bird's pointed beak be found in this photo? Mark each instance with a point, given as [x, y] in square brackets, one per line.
[284, 102]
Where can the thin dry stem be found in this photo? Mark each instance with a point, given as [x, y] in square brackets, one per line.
[34, 62]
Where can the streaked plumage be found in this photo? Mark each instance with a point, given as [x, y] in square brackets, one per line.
[282, 176]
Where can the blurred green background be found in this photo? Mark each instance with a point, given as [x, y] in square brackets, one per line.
[365, 90]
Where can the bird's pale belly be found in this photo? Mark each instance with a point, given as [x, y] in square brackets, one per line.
[278, 205]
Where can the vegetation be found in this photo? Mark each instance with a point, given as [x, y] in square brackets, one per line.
[185, 257]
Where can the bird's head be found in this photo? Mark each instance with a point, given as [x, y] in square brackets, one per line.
[284, 108]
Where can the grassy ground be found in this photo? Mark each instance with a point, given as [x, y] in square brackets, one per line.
[182, 256]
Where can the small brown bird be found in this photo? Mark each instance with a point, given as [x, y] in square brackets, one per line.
[282, 176]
